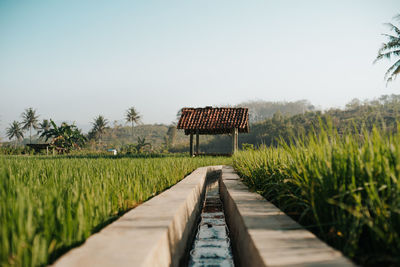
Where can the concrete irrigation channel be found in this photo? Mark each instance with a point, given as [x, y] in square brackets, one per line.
[208, 219]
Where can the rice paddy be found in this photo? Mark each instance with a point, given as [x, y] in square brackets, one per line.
[50, 204]
[345, 188]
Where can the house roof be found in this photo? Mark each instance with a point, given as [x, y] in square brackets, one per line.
[211, 120]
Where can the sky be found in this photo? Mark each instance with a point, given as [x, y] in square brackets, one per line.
[74, 60]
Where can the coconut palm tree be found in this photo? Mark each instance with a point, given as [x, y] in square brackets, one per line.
[44, 126]
[391, 49]
[132, 116]
[29, 121]
[15, 131]
[99, 127]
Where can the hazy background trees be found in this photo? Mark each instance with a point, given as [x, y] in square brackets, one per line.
[260, 110]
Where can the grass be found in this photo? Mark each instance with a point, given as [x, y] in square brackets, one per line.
[344, 188]
[50, 204]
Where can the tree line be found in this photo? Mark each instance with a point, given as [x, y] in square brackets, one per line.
[65, 136]
[356, 117]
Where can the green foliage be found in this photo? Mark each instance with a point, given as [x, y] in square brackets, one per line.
[15, 131]
[49, 205]
[383, 112]
[65, 137]
[44, 126]
[29, 121]
[391, 49]
[119, 135]
[132, 116]
[246, 146]
[13, 150]
[343, 186]
[99, 128]
[138, 148]
[129, 149]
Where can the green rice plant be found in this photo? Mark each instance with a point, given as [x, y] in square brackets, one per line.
[345, 188]
[50, 204]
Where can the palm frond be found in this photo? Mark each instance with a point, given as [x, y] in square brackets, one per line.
[393, 71]
[393, 27]
[387, 55]
[389, 50]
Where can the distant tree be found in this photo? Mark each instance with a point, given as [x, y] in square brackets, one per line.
[353, 104]
[15, 131]
[99, 127]
[29, 121]
[43, 126]
[391, 49]
[171, 133]
[132, 116]
[141, 144]
[65, 137]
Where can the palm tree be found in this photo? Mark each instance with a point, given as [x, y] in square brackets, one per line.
[44, 126]
[30, 120]
[141, 144]
[15, 131]
[391, 49]
[99, 126]
[132, 116]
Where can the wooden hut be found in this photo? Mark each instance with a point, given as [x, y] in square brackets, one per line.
[209, 120]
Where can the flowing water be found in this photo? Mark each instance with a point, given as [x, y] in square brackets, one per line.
[212, 246]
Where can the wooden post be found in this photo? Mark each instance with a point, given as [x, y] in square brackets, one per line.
[191, 145]
[234, 140]
[197, 142]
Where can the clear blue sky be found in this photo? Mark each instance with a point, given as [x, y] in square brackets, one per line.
[73, 60]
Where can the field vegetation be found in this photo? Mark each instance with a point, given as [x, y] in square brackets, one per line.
[345, 187]
[50, 204]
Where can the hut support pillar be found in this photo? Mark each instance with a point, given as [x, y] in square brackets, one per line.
[191, 145]
[197, 142]
[235, 134]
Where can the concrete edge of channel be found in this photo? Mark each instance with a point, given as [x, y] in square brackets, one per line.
[153, 234]
[262, 235]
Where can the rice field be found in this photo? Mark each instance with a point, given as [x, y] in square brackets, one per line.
[345, 188]
[50, 204]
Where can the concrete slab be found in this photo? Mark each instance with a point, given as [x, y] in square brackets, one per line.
[262, 235]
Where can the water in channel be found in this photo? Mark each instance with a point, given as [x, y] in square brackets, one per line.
[211, 246]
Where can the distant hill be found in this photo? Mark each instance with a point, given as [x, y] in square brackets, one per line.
[260, 110]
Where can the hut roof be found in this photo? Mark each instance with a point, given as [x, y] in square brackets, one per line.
[211, 120]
